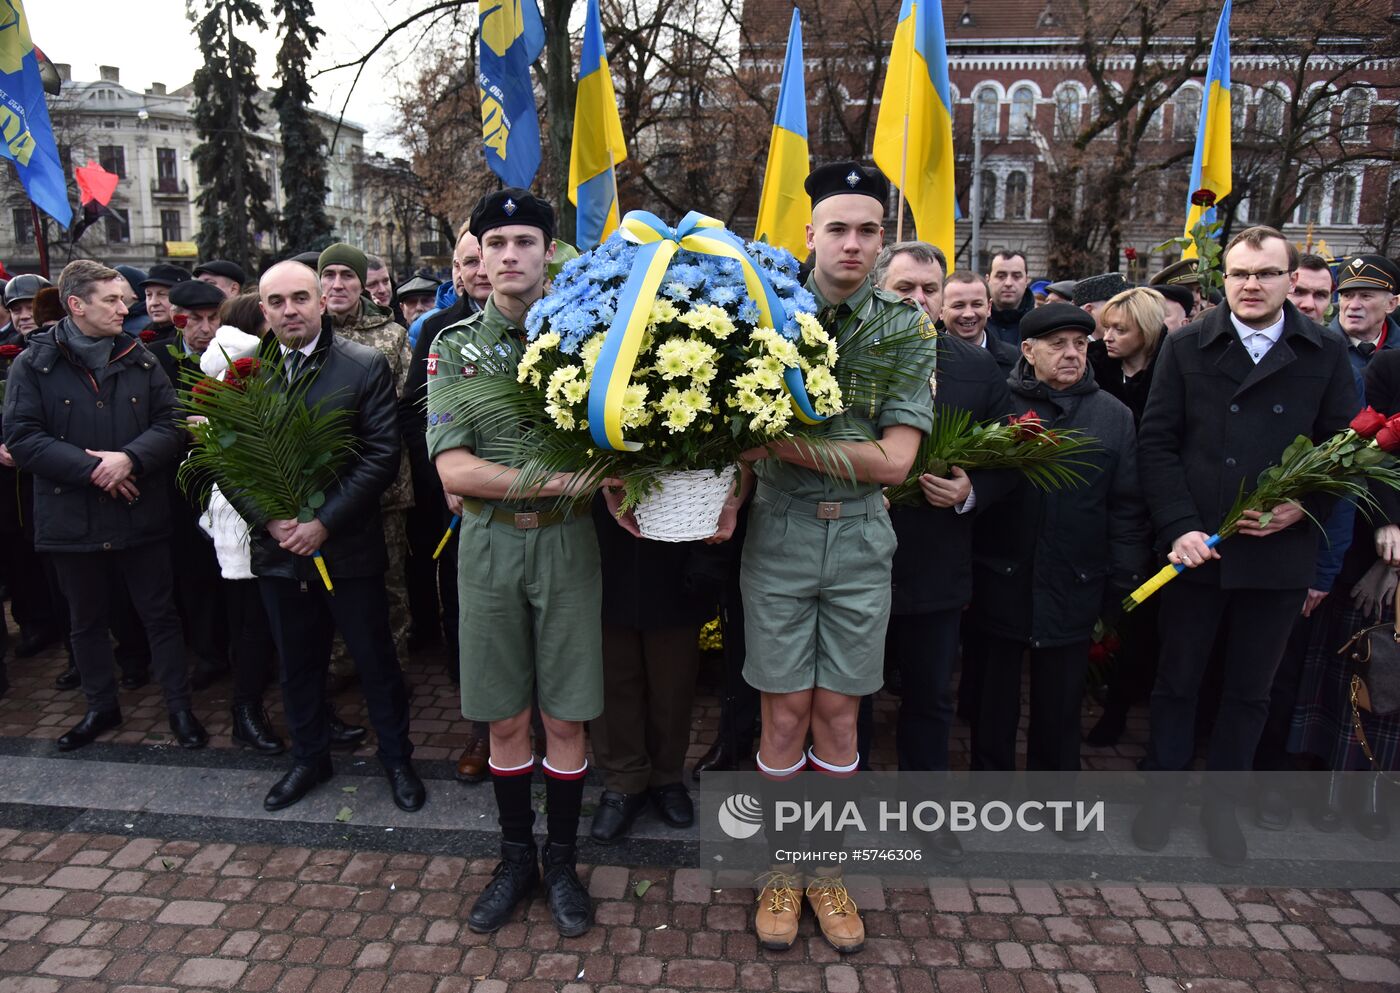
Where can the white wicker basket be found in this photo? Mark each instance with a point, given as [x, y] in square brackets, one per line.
[686, 506]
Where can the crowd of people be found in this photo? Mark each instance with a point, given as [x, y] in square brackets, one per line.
[558, 622]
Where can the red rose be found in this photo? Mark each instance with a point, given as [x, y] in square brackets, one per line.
[9, 351]
[204, 388]
[148, 336]
[244, 368]
[1097, 653]
[1028, 426]
[1203, 198]
[1388, 437]
[1368, 422]
[1130, 254]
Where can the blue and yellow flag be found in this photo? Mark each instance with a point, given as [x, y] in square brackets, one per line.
[1211, 166]
[512, 37]
[914, 132]
[784, 209]
[598, 142]
[26, 136]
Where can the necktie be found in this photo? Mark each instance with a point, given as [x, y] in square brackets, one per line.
[1366, 349]
[294, 362]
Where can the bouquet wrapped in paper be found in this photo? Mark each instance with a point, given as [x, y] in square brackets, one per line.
[658, 358]
[1344, 465]
[1049, 458]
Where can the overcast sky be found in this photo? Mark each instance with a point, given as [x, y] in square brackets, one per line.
[153, 41]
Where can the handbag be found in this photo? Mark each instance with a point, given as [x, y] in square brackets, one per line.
[1375, 678]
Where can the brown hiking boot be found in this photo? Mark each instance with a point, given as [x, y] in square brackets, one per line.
[779, 909]
[837, 914]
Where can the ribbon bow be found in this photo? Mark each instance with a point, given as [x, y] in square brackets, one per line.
[659, 243]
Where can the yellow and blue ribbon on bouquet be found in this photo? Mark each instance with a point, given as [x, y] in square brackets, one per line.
[447, 535]
[320, 561]
[659, 243]
[1164, 576]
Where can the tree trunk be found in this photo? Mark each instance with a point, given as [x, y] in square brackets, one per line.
[559, 110]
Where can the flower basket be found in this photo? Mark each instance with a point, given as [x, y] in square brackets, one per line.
[685, 505]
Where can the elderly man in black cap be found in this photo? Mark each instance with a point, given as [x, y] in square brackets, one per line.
[1092, 293]
[417, 296]
[1367, 288]
[1178, 305]
[102, 487]
[156, 287]
[19, 301]
[1051, 563]
[228, 276]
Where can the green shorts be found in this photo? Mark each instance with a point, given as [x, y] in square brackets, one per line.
[530, 605]
[816, 599]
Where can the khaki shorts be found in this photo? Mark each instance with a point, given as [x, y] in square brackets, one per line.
[530, 605]
[816, 599]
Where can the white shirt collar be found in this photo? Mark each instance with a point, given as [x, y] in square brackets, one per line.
[1273, 332]
[306, 349]
[983, 342]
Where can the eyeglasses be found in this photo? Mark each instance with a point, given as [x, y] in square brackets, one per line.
[1263, 275]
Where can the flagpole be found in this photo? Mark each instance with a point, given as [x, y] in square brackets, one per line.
[904, 145]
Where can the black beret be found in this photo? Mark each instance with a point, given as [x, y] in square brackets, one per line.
[164, 274]
[1178, 293]
[222, 267]
[511, 206]
[837, 178]
[196, 294]
[1369, 272]
[1101, 287]
[1179, 273]
[1051, 317]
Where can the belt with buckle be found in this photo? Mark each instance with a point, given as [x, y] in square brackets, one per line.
[822, 510]
[525, 521]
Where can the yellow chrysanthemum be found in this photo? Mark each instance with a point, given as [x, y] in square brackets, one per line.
[590, 351]
[663, 311]
[557, 380]
[560, 415]
[671, 359]
[526, 370]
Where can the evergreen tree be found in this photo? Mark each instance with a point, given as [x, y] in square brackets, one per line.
[304, 224]
[235, 197]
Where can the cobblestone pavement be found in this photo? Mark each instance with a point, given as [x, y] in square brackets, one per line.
[147, 905]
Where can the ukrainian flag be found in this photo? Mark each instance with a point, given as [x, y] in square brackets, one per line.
[784, 209]
[1210, 168]
[914, 132]
[26, 136]
[598, 142]
[512, 37]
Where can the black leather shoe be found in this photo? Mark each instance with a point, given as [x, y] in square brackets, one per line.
[68, 679]
[944, 845]
[135, 679]
[569, 902]
[344, 735]
[515, 877]
[405, 786]
[187, 729]
[299, 781]
[1272, 811]
[94, 722]
[720, 758]
[1224, 839]
[31, 643]
[1152, 827]
[1329, 814]
[672, 802]
[252, 729]
[615, 814]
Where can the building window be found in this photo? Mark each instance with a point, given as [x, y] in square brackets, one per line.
[1187, 116]
[988, 112]
[1016, 200]
[1239, 107]
[1261, 193]
[1268, 119]
[118, 227]
[1344, 200]
[170, 225]
[1356, 114]
[1068, 107]
[1152, 131]
[1310, 204]
[1022, 110]
[989, 195]
[113, 159]
[24, 225]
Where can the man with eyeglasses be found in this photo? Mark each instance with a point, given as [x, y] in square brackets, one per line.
[1229, 393]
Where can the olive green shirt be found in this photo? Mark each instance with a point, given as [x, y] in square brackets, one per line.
[486, 343]
[910, 401]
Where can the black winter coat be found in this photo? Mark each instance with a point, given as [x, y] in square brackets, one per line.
[348, 376]
[1047, 565]
[1214, 421]
[650, 585]
[933, 562]
[1108, 373]
[1006, 355]
[1005, 325]
[54, 410]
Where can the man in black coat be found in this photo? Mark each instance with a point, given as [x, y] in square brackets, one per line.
[89, 412]
[347, 529]
[966, 310]
[1229, 394]
[1012, 299]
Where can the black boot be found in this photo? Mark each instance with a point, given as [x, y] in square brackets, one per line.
[515, 877]
[68, 679]
[85, 732]
[344, 735]
[1224, 839]
[1328, 814]
[569, 902]
[722, 757]
[188, 732]
[1371, 820]
[252, 729]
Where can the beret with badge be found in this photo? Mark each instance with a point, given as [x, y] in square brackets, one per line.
[1369, 272]
[511, 206]
[196, 294]
[1052, 317]
[838, 178]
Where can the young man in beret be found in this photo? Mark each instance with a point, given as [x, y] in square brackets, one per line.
[529, 575]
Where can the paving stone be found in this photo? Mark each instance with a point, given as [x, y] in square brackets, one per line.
[1367, 968]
